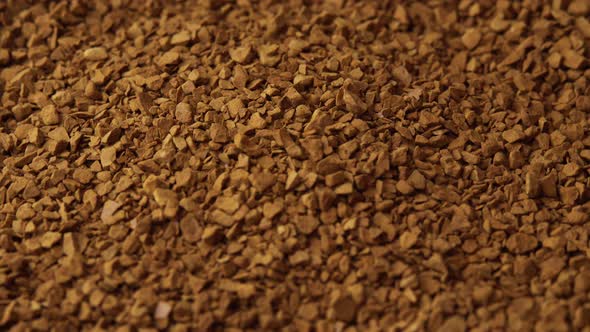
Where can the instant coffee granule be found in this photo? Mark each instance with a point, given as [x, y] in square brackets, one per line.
[294, 165]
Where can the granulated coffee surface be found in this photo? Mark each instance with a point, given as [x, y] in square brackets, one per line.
[294, 165]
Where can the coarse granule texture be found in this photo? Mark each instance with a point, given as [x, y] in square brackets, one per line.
[294, 165]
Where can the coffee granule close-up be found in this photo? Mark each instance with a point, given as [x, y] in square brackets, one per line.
[294, 165]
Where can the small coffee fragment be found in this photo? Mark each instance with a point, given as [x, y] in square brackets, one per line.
[306, 224]
[184, 113]
[471, 38]
[49, 115]
[163, 310]
[344, 308]
[577, 216]
[168, 58]
[49, 239]
[108, 212]
[521, 243]
[572, 59]
[513, 135]
[242, 54]
[181, 37]
[96, 53]
[108, 156]
[453, 324]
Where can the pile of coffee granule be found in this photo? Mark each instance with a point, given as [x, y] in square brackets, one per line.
[294, 165]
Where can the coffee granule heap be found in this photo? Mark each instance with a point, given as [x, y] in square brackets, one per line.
[294, 165]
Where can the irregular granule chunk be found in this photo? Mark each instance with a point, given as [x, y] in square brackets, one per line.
[96, 53]
[262, 181]
[453, 324]
[92, 91]
[385, 224]
[408, 239]
[270, 210]
[234, 106]
[184, 113]
[83, 175]
[301, 82]
[306, 224]
[228, 204]
[268, 55]
[402, 75]
[299, 257]
[212, 234]
[59, 134]
[328, 165]
[520, 243]
[345, 308]
[554, 60]
[49, 239]
[108, 156]
[245, 144]
[294, 97]
[498, 24]
[349, 97]
[69, 244]
[108, 212]
[21, 112]
[181, 37]
[257, 121]
[112, 136]
[583, 26]
[576, 216]
[243, 290]
[399, 156]
[222, 218]
[570, 169]
[450, 166]
[583, 103]
[346, 150]
[183, 177]
[49, 115]
[165, 197]
[470, 158]
[524, 267]
[218, 133]
[4, 56]
[572, 59]
[548, 185]
[337, 178]
[242, 54]
[569, 195]
[551, 267]
[169, 58]
[296, 46]
[404, 187]
[162, 310]
[417, 180]
[308, 311]
[293, 179]
[25, 212]
[344, 189]
[145, 101]
[471, 38]
[578, 7]
[190, 229]
[513, 135]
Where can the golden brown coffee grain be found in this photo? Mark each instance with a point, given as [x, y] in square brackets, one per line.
[295, 165]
